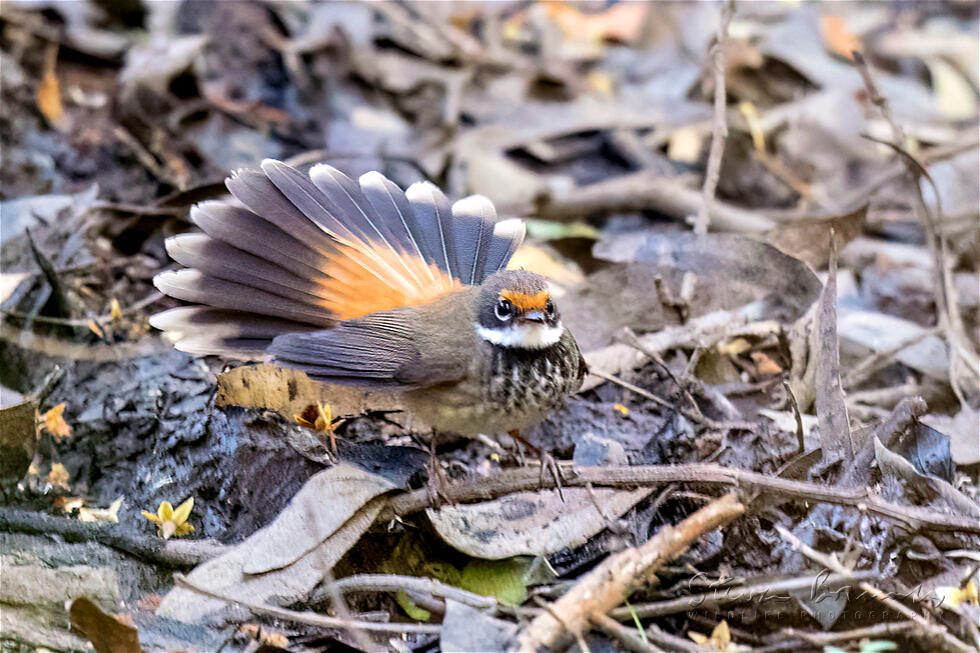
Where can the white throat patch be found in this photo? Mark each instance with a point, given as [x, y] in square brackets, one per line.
[522, 336]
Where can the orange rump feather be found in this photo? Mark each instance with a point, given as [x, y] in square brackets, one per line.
[367, 278]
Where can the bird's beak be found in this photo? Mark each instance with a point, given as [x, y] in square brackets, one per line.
[534, 316]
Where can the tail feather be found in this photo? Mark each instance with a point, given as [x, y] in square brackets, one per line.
[304, 252]
[248, 232]
[395, 214]
[220, 260]
[194, 286]
[474, 218]
[507, 237]
[236, 334]
[254, 189]
[433, 216]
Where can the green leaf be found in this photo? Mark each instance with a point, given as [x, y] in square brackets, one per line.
[502, 579]
[411, 609]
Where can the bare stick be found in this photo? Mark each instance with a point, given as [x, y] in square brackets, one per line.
[739, 594]
[617, 576]
[307, 617]
[529, 480]
[363, 640]
[395, 583]
[719, 126]
[628, 637]
[831, 563]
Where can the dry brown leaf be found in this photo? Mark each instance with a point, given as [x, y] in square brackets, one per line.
[809, 240]
[226, 574]
[18, 439]
[290, 392]
[623, 22]
[764, 365]
[531, 523]
[264, 635]
[108, 634]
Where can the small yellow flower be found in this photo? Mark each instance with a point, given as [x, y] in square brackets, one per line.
[172, 522]
[621, 409]
[953, 597]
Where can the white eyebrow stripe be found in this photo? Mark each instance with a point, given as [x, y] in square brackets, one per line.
[522, 336]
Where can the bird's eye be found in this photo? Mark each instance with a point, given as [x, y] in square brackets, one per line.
[549, 308]
[503, 310]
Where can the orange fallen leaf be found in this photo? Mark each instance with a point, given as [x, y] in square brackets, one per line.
[764, 365]
[836, 36]
[49, 98]
[58, 476]
[54, 422]
[623, 22]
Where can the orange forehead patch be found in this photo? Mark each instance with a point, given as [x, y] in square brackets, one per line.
[525, 302]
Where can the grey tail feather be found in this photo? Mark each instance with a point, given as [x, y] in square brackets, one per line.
[221, 260]
[433, 217]
[507, 237]
[473, 220]
[396, 217]
[235, 334]
[194, 286]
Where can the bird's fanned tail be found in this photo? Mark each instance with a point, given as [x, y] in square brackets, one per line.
[295, 253]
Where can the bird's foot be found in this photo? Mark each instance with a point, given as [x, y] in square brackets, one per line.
[437, 485]
[546, 460]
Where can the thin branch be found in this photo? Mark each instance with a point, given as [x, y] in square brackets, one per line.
[739, 594]
[719, 124]
[395, 583]
[180, 554]
[867, 632]
[510, 481]
[628, 637]
[307, 617]
[363, 640]
[936, 630]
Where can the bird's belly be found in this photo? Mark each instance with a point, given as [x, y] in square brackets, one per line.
[502, 396]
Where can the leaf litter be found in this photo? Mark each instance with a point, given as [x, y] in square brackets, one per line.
[763, 351]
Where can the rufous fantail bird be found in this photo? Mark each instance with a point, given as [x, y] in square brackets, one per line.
[361, 283]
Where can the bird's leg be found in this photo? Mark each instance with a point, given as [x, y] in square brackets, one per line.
[437, 483]
[546, 459]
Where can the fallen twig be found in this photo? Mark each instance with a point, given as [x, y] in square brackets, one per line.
[643, 191]
[181, 554]
[529, 479]
[628, 637]
[719, 124]
[867, 632]
[395, 583]
[935, 630]
[617, 576]
[310, 618]
[738, 594]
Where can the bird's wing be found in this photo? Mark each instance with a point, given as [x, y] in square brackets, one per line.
[297, 252]
[391, 349]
